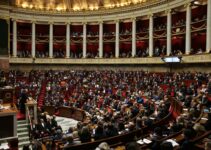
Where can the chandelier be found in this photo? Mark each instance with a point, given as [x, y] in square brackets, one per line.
[75, 5]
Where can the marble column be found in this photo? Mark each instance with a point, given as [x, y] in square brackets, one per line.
[208, 42]
[51, 41]
[68, 40]
[117, 40]
[14, 49]
[169, 25]
[188, 29]
[84, 40]
[133, 37]
[33, 39]
[101, 39]
[151, 35]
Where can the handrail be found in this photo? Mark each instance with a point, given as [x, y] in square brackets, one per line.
[29, 118]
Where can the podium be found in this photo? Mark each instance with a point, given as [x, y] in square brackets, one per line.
[8, 121]
[31, 111]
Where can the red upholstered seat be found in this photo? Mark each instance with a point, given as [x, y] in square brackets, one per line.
[164, 87]
[174, 114]
[209, 98]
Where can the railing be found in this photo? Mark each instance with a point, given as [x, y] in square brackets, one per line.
[68, 112]
[29, 121]
[197, 58]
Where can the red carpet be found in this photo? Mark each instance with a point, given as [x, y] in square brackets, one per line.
[20, 116]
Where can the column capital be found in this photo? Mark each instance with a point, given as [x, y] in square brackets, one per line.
[68, 23]
[50, 22]
[150, 15]
[116, 21]
[84, 23]
[168, 11]
[33, 21]
[133, 19]
[8, 21]
[188, 4]
[14, 19]
[100, 22]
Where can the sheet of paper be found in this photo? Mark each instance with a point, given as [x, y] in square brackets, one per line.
[140, 142]
[174, 143]
[204, 118]
[146, 141]
[4, 146]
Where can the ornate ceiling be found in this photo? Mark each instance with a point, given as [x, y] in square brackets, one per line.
[76, 5]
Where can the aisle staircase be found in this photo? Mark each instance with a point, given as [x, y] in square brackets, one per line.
[23, 134]
[41, 96]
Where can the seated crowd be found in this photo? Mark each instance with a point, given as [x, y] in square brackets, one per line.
[119, 102]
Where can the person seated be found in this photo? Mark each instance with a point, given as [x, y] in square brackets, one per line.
[207, 125]
[99, 131]
[187, 144]
[103, 146]
[207, 145]
[157, 51]
[58, 134]
[68, 141]
[147, 121]
[199, 51]
[42, 127]
[178, 125]
[76, 138]
[111, 130]
[166, 146]
[139, 124]
[132, 146]
[54, 122]
[200, 129]
[84, 134]
[155, 137]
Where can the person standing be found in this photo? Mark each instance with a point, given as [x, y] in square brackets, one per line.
[23, 100]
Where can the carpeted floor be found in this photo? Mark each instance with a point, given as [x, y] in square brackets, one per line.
[65, 123]
[20, 116]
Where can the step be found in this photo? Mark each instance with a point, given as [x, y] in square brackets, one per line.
[22, 125]
[21, 144]
[22, 122]
[22, 139]
[20, 130]
[21, 147]
[21, 134]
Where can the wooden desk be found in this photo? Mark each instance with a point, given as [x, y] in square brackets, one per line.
[6, 94]
[8, 121]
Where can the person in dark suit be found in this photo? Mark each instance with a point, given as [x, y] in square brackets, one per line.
[207, 125]
[99, 131]
[111, 130]
[187, 144]
[49, 125]
[35, 130]
[42, 127]
[157, 135]
[84, 134]
[22, 101]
